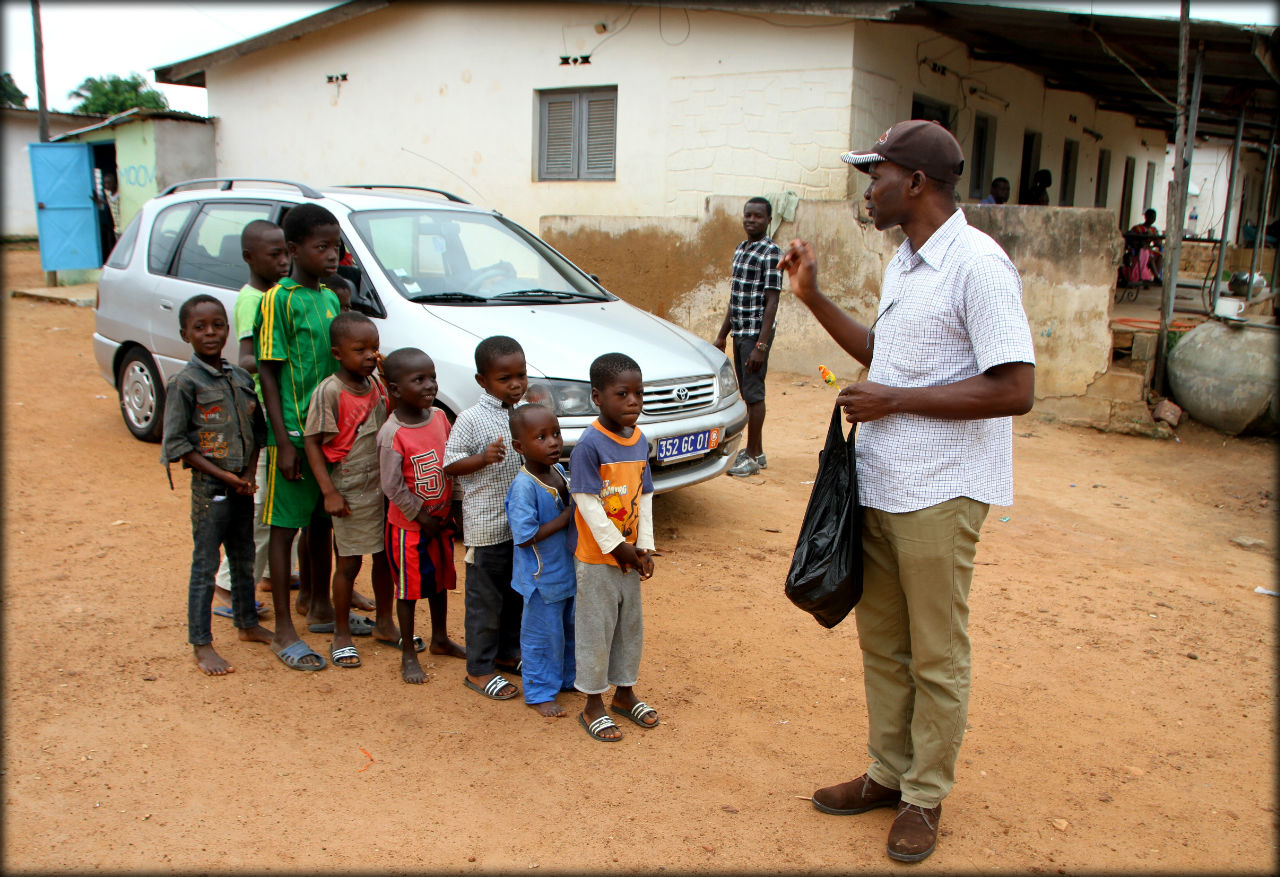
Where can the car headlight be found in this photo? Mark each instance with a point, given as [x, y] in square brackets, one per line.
[726, 380]
[566, 398]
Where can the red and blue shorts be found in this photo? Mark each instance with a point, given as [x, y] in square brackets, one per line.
[420, 563]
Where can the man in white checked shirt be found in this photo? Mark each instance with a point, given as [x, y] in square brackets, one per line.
[950, 359]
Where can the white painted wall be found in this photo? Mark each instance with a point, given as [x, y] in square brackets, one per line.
[1210, 175]
[445, 95]
[20, 128]
[709, 103]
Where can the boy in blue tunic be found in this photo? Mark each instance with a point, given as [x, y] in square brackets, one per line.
[539, 511]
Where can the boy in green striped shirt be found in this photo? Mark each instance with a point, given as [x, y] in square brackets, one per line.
[291, 341]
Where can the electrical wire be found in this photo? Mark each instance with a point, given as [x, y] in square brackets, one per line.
[688, 28]
[612, 33]
[1110, 52]
[781, 24]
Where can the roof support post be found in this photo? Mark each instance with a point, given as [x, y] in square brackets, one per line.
[1226, 213]
[1177, 195]
[1264, 208]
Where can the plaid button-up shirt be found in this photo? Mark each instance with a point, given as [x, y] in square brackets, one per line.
[956, 312]
[755, 269]
[484, 492]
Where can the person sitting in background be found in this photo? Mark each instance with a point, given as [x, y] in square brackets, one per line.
[1143, 254]
[999, 192]
[1038, 192]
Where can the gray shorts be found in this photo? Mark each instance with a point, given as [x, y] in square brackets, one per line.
[750, 384]
[608, 627]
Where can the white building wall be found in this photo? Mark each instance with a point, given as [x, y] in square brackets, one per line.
[429, 101]
[1207, 191]
[709, 103]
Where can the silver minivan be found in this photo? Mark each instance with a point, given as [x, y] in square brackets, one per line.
[434, 272]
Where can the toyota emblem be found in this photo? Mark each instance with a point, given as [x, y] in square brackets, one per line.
[682, 394]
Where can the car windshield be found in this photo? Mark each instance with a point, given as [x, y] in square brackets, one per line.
[468, 259]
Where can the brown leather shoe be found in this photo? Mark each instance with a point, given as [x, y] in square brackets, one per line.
[855, 796]
[914, 832]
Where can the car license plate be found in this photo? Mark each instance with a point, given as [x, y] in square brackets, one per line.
[678, 447]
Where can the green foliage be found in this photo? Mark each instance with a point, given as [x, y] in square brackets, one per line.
[113, 94]
[10, 94]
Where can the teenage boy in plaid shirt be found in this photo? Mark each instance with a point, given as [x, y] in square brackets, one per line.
[753, 303]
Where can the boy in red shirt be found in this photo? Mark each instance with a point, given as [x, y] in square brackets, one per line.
[420, 528]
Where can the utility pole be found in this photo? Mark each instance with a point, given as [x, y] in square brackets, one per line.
[50, 277]
[40, 98]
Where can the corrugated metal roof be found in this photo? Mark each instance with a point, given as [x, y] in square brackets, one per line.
[1103, 56]
[133, 115]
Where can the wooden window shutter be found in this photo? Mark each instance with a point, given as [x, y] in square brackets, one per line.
[557, 158]
[600, 137]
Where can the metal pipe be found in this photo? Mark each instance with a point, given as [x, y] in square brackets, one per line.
[1264, 208]
[1177, 200]
[1226, 213]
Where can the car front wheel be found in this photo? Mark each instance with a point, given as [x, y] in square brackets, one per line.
[141, 396]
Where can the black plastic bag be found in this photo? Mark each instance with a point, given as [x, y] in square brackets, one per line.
[825, 579]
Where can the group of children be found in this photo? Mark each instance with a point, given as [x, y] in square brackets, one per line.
[355, 446]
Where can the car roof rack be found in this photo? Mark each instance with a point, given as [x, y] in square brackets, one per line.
[449, 195]
[227, 182]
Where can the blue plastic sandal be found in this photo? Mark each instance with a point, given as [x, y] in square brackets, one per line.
[294, 654]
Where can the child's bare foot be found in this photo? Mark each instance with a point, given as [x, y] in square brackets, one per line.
[264, 585]
[221, 597]
[446, 647]
[385, 632]
[549, 709]
[410, 669]
[362, 603]
[211, 662]
[258, 634]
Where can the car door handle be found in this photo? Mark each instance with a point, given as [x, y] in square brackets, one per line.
[166, 305]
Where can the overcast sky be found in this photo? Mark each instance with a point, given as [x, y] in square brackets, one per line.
[96, 39]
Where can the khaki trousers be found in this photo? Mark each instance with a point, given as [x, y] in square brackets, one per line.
[912, 626]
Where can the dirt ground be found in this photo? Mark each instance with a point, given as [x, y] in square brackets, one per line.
[1122, 714]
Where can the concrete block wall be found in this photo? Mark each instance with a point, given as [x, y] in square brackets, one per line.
[733, 130]
[679, 268]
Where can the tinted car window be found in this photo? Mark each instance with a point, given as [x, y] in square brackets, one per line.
[164, 236]
[211, 252]
[122, 252]
[482, 257]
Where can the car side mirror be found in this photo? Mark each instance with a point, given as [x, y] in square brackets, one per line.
[365, 299]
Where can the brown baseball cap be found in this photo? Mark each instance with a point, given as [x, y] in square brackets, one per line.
[917, 145]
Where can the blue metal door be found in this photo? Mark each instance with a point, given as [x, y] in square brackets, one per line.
[66, 216]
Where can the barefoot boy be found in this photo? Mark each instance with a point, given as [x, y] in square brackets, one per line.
[477, 456]
[540, 513]
[613, 495]
[347, 410]
[213, 424]
[291, 341]
[420, 529]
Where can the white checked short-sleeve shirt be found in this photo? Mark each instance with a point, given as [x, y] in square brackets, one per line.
[484, 511]
[949, 311]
